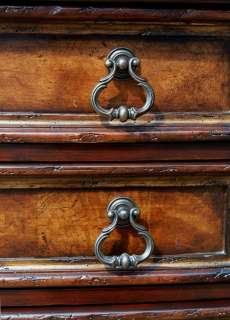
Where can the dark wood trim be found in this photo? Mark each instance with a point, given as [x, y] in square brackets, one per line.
[106, 28]
[111, 295]
[84, 278]
[89, 128]
[112, 175]
[115, 169]
[117, 152]
[83, 20]
[114, 134]
[195, 310]
[94, 13]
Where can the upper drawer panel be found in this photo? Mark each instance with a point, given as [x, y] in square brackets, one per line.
[57, 74]
[52, 57]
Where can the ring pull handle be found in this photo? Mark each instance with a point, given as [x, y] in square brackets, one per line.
[122, 64]
[123, 211]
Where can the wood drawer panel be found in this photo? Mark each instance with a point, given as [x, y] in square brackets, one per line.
[61, 209]
[66, 223]
[51, 59]
[57, 74]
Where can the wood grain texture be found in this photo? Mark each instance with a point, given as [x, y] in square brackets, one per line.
[53, 208]
[51, 59]
[82, 134]
[67, 222]
[109, 296]
[91, 276]
[175, 311]
[141, 29]
[58, 75]
[88, 13]
[128, 169]
[130, 20]
[116, 152]
[97, 176]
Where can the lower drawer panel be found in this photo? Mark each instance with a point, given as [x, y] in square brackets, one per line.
[66, 222]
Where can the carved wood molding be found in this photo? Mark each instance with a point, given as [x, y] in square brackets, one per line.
[194, 310]
[94, 13]
[52, 278]
[129, 21]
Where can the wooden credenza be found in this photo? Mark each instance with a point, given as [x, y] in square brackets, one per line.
[115, 160]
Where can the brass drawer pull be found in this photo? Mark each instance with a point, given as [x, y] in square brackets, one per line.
[123, 211]
[122, 64]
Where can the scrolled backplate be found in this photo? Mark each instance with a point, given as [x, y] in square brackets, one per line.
[123, 211]
[122, 64]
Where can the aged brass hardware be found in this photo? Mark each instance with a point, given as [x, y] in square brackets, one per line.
[123, 211]
[122, 64]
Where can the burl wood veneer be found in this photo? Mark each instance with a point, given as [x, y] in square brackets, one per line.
[65, 223]
[53, 74]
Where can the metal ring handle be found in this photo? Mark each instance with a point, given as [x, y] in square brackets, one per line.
[123, 211]
[122, 64]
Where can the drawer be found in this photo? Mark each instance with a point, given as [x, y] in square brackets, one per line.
[49, 71]
[57, 74]
[66, 222]
[58, 213]
[53, 221]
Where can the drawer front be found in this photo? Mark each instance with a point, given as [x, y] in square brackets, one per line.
[51, 216]
[49, 70]
[58, 212]
[66, 223]
[57, 75]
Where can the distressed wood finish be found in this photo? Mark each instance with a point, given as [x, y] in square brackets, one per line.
[91, 296]
[65, 223]
[51, 13]
[43, 110]
[117, 152]
[113, 134]
[58, 75]
[188, 310]
[61, 164]
[33, 278]
[69, 56]
[127, 169]
[83, 20]
[198, 200]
